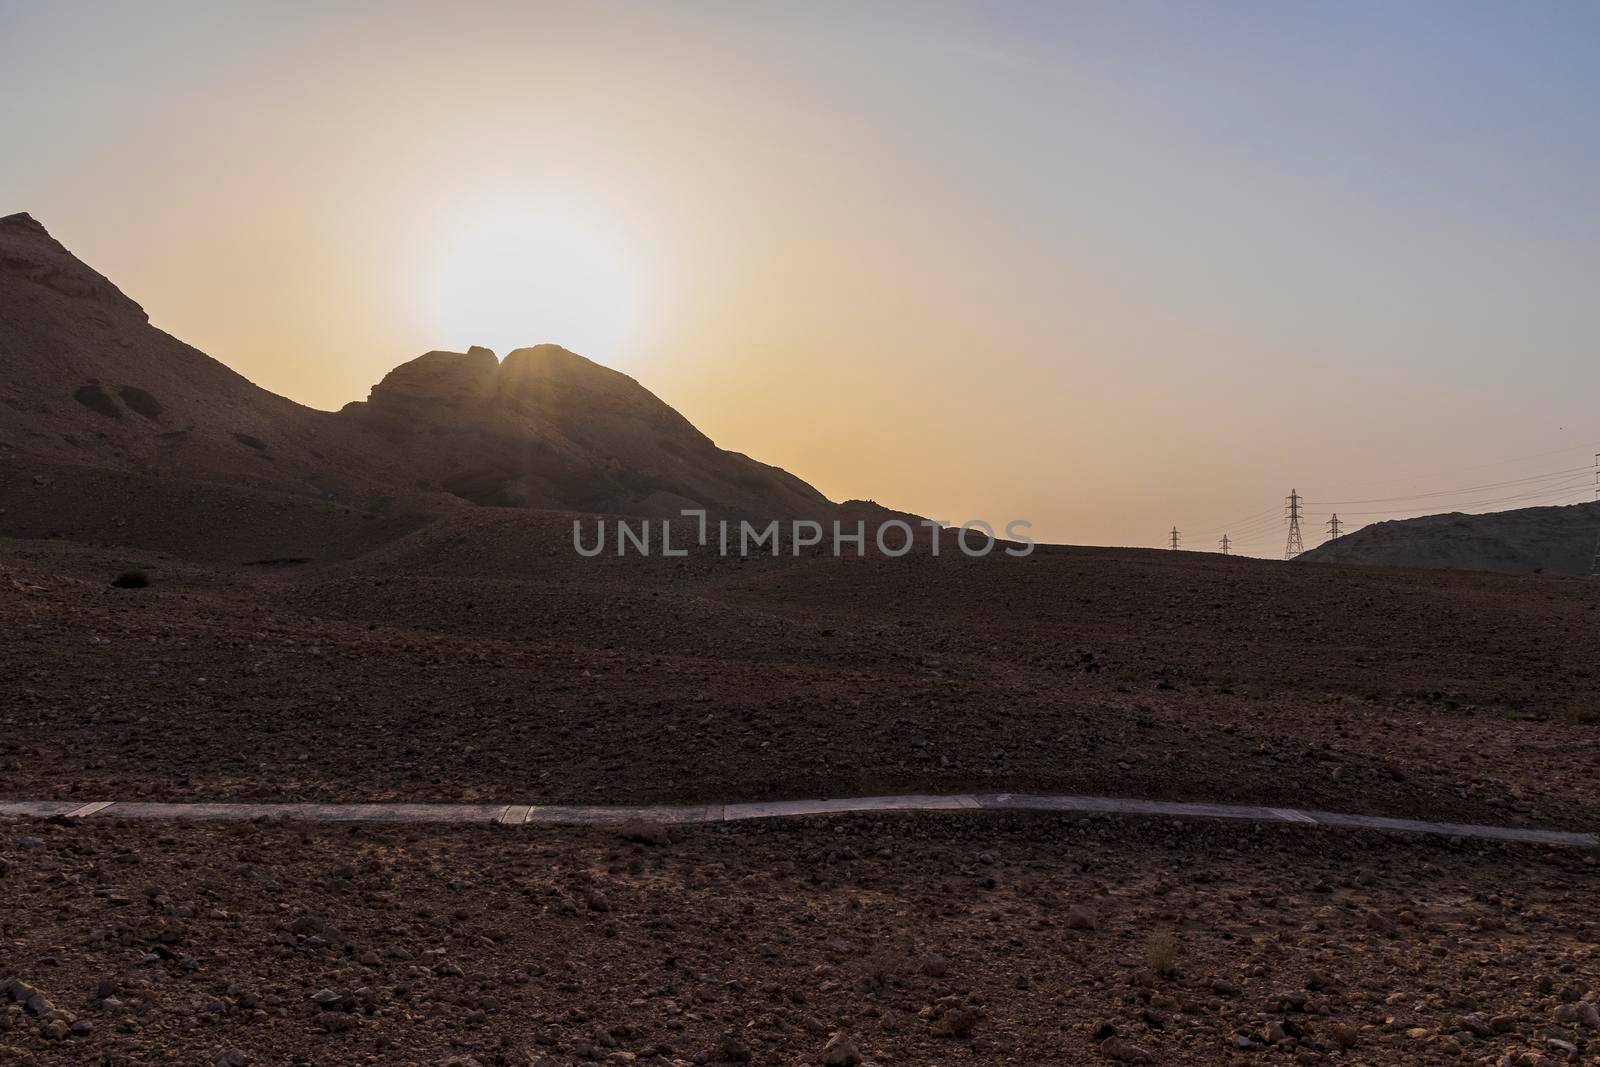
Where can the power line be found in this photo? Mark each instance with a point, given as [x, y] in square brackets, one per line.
[1564, 490]
[1401, 534]
[1465, 488]
[1174, 539]
[1479, 466]
[1543, 489]
[1272, 512]
[1268, 516]
[1271, 519]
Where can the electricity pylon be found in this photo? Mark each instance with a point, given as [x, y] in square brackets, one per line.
[1227, 545]
[1172, 538]
[1335, 527]
[1295, 545]
[1594, 566]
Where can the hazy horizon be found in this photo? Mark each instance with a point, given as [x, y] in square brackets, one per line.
[1111, 268]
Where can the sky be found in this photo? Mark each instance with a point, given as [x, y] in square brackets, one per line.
[1108, 267]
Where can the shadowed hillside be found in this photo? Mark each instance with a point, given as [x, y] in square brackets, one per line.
[1554, 540]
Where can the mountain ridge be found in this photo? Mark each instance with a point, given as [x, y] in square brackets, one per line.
[85, 378]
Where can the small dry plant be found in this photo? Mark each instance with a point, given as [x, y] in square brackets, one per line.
[1161, 953]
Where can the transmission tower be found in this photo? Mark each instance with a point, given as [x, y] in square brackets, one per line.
[1295, 545]
[1172, 538]
[1227, 545]
[1335, 527]
[1594, 566]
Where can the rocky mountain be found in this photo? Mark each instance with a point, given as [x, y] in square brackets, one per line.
[1548, 540]
[546, 427]
[86, 381]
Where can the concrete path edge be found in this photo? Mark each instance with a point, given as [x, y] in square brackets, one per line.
[603, 815]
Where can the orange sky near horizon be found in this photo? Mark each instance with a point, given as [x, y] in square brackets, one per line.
[1109, 268]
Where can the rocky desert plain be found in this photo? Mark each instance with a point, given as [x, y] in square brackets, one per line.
[210, 593]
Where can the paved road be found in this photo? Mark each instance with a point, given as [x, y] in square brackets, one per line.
[557, 815]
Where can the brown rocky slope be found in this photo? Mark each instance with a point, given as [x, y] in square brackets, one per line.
[1546, 540]
[87, 381]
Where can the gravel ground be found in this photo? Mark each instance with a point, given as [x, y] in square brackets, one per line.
[473, 660]
[478, 661]
[920, 939]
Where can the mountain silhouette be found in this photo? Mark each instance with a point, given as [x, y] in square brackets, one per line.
[87, 381]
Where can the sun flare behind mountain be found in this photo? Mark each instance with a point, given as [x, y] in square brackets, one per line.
[513, 275]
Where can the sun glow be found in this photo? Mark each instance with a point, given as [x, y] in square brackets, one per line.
[522, 274]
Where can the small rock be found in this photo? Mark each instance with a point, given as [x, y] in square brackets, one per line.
[335, 1022]
[956, 1022]
[327, 999]
[840, 1051]
[731, 1048]
[1118, 1049]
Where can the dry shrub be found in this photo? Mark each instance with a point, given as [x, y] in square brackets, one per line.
[1161, 953]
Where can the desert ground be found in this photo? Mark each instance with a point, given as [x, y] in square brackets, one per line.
[894, 940]
[476, 658]
[291, 650]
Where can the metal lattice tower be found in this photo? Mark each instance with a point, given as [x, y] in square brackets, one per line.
[1594, 566]
[1335, 527]
[1295, 545]
[1227, 545]
[1172, 539]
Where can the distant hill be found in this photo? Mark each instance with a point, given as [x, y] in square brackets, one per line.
[86, 382]
[1551, 540]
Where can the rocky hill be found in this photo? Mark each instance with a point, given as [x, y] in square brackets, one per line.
[546, 427]
[87, 382]
[1549, 540]
[85, 379]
